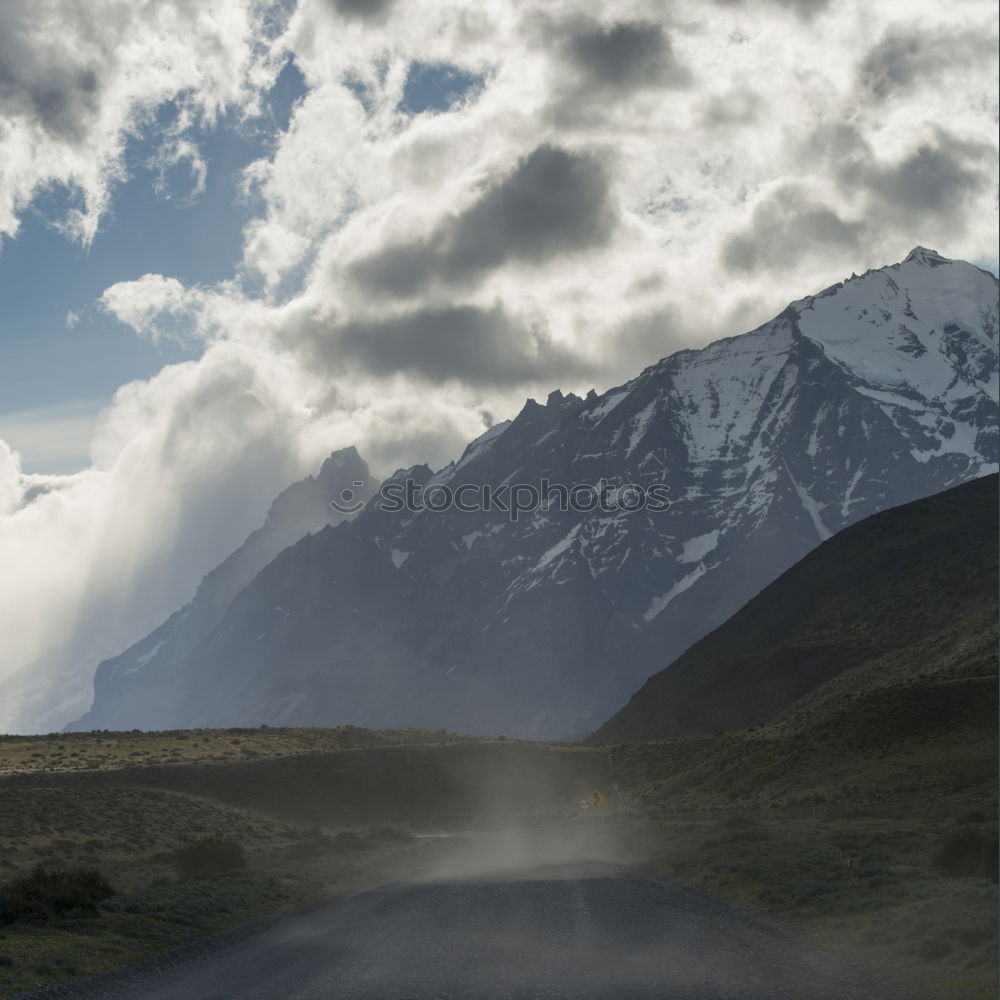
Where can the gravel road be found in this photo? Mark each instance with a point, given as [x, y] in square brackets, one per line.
[571, 932]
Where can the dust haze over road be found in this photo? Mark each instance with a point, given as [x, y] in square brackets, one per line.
[516, 917]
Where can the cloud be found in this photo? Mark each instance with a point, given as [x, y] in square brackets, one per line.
[906, 56]
[597, 67]
[11, 490]
[363, 10]
[464, 343]
[932, 181]
[76, 80]
[56, 438]
[552, 203]
[60, 100]
[731, 110]
[623, 56]
[173, 153]
[804, 8]
[935, 183]
[786, 226]
[151, 305]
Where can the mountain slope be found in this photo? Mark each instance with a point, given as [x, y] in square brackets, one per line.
[906, 592]
[299, 510]
[875, 392]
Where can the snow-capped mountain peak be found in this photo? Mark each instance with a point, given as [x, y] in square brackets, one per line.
[871, 393]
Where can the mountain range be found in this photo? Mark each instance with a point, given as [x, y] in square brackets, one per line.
[873, 393]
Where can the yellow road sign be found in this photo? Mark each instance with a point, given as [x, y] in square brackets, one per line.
[597, 799]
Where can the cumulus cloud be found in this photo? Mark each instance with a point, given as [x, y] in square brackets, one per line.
[553, 202]
[622, 56]
[906, 55]
[932, 185]
[786, 226]
[939, 180]
[462, 343]
[623, 180]
[11, 490]
[77, 79]
[149, 304]
[365, 10]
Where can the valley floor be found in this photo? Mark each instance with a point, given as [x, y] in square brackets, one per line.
[890, 888]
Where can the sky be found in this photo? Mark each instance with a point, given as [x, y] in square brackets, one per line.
[236, 235]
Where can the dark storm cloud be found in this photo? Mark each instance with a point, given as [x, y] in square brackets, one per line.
[553, 202]
[904, 56]
[627, 56]
[61, 99]
[932, 182]
[787, 226]
[465, 343]
[363, 10]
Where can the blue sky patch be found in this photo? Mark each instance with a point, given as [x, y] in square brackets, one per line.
[436, 87]
[154, 226]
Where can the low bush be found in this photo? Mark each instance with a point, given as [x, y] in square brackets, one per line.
[50, 892]
[209, 857]
[740, 823]
[933, 948]
[348, 840]
[967, 853]
[390, 834]
[312, 843]
[749, 835]
[976, 816]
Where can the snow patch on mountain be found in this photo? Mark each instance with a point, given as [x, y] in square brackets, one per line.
[695, 549]
[660, 602]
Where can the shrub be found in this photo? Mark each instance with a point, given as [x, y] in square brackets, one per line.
[976, 816]
[312, 843]
[389, 834]
[966, 853]
[750, 836]
[740, 823]
[208, 857]
[933, 948]
[49, 892]
[974, 935]
[348, 840]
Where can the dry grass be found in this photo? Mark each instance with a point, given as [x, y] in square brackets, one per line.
[59, 753]
[863, 886]
[130, 834]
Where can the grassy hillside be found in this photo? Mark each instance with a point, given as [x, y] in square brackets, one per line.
[57, 753]
[907, 593]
